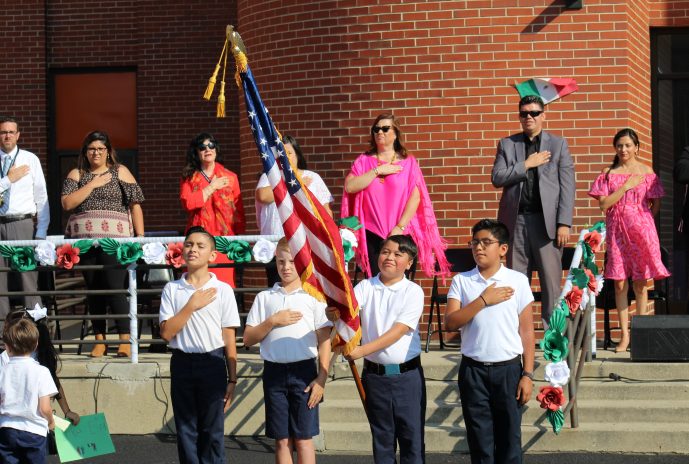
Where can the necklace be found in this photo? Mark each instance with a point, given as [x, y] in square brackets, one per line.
[380, 162]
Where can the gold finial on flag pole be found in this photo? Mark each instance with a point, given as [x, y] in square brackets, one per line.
[239, 52]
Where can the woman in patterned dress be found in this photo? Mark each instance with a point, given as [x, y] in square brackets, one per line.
[211, 196]
[105, 201]
[629, 193]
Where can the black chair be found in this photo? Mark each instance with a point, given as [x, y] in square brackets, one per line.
[461, 260]
[606, 297]
[567, 255]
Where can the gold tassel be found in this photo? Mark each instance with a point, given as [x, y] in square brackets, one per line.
[221, 101]
[211, 83]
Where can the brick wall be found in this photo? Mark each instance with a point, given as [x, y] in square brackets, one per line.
[23, 73]
[669, 13]
[174, 46]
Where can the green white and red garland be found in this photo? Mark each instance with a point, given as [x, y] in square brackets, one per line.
[582, 282]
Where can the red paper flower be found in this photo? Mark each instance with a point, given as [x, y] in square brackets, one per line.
[67, 256]
[593, 284]
[173, 256]
[551, 398]
[594, 240]
[573, 299]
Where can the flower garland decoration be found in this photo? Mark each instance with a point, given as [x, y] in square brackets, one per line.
[125, 252]
[21, 259]
[45, 253]
[264, 251]
[580, 284]
[349, 241]
[173, 255]
[238, 251]
[67, 256]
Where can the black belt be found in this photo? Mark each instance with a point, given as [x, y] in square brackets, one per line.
[473, 362]
[392, 369]
[530, 210]
[14, 218]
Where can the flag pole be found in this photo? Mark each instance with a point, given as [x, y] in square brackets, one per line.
[359, 385]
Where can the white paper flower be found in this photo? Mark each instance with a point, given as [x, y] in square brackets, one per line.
[264, 250]
[154, 253]
[557, 373]
[599, 283]
[348, 235]
[37, 313]
[45, 253]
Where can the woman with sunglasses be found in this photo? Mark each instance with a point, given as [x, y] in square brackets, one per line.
[211, 196]
[385, 189]
[105, 202]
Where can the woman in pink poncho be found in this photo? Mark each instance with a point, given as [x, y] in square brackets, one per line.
[386, 191]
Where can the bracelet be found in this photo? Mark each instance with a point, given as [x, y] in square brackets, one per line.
[484, 301]
[401, 227]
[232, 381]
[528, 375]
[375, 171]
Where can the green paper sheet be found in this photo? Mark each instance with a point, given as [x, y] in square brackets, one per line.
[88, 439]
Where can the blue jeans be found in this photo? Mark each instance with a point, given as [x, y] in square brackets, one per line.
[199, 381]
[21, 447]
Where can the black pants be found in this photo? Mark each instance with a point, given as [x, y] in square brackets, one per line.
[109, 279]
[198, 382]
[492, 414]
[396, 408]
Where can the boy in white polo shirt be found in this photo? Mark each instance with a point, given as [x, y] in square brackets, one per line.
[491, 304]
[198, 317]
[391, 306]
[26, 388]
[293, 330]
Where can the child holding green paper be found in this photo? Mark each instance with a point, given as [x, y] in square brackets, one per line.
[26, 388]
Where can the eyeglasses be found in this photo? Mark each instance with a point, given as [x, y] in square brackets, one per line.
[485, 242]
[377, 129]
[4, 133]
[95, 150]
[533, 114]
[210, 146]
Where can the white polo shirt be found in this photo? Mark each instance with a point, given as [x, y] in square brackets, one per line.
[203, 331]
[493, 334]
[381, 307]
[22, 382]
[295, 342]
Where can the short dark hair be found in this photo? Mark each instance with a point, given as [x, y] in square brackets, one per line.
[405, 243]
[21, 336]
[5, 118]
[496, 228]
[200, 230]
[529, 99]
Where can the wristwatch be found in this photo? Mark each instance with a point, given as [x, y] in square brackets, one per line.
[527, 374]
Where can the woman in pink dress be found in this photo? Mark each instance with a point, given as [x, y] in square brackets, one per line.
[386, 191]
[629, 192]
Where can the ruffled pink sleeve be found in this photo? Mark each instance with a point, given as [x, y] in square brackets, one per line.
[656, 189]
[600, 187]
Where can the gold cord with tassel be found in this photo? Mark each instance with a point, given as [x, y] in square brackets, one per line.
[213, 78]
[221, 97]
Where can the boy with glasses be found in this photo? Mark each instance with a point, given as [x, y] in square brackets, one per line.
[491, 305]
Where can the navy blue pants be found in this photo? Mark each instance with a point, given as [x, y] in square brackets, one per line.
[492, 414]
[396, 407]
[21, 447]
[198, 389]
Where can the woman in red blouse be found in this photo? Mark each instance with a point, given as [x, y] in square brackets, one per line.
[210, 194]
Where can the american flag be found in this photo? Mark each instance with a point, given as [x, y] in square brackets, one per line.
[313, 236]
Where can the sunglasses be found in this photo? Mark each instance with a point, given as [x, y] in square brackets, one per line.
[533, 114]
[377, 129]
[210, 146]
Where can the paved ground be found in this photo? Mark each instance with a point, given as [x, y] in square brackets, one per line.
[160, 449]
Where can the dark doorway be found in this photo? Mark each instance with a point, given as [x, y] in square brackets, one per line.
[670, 106]
[83, 100]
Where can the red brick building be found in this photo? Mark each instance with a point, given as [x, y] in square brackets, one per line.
[325, 68]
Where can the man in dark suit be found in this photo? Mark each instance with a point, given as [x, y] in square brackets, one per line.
[536, 172]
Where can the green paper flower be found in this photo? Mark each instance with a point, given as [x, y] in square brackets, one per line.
[558, 320]
[598, 227]
[222, 245]
[348, 250]
[239, 251]
[83, 245]
[108, 245]
[556, 419]
[23, 259]
[129, 252]
[554, 346]
[579, 278]
[351, 222]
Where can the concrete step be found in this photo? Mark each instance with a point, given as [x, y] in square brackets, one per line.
[639, 437]
[448, 413]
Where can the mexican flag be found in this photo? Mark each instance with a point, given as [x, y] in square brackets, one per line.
[548, 88]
